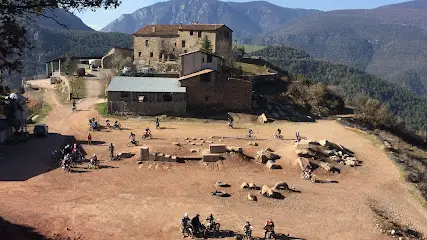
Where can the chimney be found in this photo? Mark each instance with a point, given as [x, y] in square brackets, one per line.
[154, 28]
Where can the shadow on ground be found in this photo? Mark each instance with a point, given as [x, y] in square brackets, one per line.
[11, 231]
[20, 162]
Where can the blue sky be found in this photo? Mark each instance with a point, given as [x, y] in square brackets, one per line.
[100, 18]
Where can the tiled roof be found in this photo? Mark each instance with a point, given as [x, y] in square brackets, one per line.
[205, 71]
[173, 29]
[145, 84]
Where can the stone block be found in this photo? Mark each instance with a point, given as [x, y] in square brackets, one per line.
[144, 154]
[211, 157]
[152, 156]
[217, 148]
[159, 157]
[167, 158]
[174, 159]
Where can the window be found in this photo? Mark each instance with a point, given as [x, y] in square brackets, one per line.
[139, 54]
[185, 51]
[203, 60]
[199, 34]
[191, 33]
[151, 54]
[147, 43]
[206, 99]
[167, 97]
[209, 58]
[173, 49]
[174, 44]
[183, 43]
[124, 94]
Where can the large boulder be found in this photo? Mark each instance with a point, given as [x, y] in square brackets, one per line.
[271, 165]
[252, 186]
[244, 185]
[267, 191]
[263, 118]
[281, 186]
[264, 155]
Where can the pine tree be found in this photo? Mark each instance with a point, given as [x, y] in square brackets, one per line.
[206, 45]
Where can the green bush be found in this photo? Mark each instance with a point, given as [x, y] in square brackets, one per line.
[102, 108]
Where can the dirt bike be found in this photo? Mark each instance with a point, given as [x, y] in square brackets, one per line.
[200, 232]
[188, 230]
[117, 126]
[212, 229]
[93, 164]
[308, 176]
[133, 143]
[269, 234]
[278, 136]
[248, 235]
[147, 135]
[65, 166]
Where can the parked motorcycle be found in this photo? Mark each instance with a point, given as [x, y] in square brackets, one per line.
[212, 229]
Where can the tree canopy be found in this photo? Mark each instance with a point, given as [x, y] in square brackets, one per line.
[15, 16]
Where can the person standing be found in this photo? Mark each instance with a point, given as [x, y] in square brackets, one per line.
[157, 123]
[111, 149]
[298, 136]
[89, 139]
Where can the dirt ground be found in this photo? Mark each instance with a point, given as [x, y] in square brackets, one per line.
[124, 200]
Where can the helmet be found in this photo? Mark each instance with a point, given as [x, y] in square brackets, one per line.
[185, 214]
[94, 155]
[197, 215]
[270, 220]
[247, 222]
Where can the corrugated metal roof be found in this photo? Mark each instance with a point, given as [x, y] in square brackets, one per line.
[145, 84]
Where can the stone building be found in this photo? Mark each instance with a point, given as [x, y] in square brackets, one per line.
[107, 60]
[160, 45]
[195, 61]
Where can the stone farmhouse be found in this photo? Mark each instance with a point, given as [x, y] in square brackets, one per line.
[160, 46]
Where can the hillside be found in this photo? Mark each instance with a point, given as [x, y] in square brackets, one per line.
[389, 42]
[350, 83]
[69, 20]
[246, 19]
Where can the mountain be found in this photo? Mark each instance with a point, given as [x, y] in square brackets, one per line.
[246, 19]
[389, 42]
[350, 82]
[50, 40]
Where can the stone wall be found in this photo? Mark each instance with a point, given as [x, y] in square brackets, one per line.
[218, 94]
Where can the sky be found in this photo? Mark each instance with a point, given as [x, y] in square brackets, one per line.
[101, 18]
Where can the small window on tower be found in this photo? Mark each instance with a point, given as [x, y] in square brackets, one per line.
[183, 43]
[191, 33]
[151, 54]
[199, 34]
[147, 43]
[139, 54]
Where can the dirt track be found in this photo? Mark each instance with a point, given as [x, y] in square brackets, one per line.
[130, 201]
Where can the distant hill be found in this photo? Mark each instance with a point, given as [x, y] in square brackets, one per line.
[350, 82]
[246, 19]
[389, 42]
[69, 20]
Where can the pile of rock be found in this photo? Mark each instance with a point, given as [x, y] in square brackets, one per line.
[264, 155]
[340, 154]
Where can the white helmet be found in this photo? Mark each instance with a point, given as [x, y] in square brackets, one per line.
[94, 155]
[185, 214]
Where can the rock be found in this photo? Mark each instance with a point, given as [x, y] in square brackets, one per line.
[252, 197]
[281, 186]
[209, 141]
[244, 185]
[325, 166]
[302, 145]
[253, 144]
[193, 143]
[262, 118]
[271, 165]
[222, 184]
[203, 141]
[211, 137]
[186, 138]
[335, 158]
[267, 192]
[303, 163]
[176, 144]
[305, 152]
[387, 145]
[324, 142]
[252, 186]
[194, 150]
[200, 139]
[350, 162]
[263, 156]
[194, 138]
[139, 162]
[220, 193]
[234, 149]
[188, 141]
[199, 144]
[220, 140]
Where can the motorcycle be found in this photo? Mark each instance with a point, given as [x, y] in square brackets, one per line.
[307, 175]
[65, 166]
[93, 164]
[212, 229]
[269, 234]
[248, 235]
[133, 143]
[117, 126]
[147, 135]
[278, 136]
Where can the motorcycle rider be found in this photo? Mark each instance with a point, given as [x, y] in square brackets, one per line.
[111, 149]
[185, 220]
[67, 149]
[74, 105]
[230, 122]
[116, 124]
[211, 221]
[107, 123]
[269, 226]
[247, 229]
[132, 137]
[94, 159]
[157, 123]
[196, 224]
[278, 132]
[250, 132]
[147, 132]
